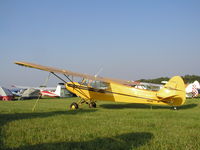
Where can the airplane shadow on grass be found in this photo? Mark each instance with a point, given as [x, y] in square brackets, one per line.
[144, 106]
[5, 118]
[124, 141]
[121, 142]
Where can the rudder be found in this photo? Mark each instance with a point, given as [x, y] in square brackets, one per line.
[173, 92]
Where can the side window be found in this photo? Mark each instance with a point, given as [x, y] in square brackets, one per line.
[99, 85]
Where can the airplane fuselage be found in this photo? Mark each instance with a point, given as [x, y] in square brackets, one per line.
[117, 93]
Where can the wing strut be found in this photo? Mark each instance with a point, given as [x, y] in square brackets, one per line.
[80, 91]
[63, 79]
[58, 77]
[69, 78]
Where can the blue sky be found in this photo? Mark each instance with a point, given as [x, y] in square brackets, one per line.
[128, 39]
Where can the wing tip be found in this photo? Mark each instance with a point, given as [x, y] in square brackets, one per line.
[21, 63]
[18, 63]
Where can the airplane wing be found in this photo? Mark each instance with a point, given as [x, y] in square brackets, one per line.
[67, 72]
[31, 87]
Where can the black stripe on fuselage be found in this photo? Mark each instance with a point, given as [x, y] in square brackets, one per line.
[104, 91]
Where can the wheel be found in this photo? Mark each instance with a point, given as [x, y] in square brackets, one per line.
[20, 98]
[74, 106]
[92, 105]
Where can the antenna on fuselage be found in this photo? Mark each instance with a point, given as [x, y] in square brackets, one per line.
[97, 74]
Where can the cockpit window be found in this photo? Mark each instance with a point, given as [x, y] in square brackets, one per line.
[95, 84]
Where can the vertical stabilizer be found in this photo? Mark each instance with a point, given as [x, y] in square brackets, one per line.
[58, 90]
[173, 92]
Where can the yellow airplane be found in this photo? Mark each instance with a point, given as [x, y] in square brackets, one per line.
[93, 88]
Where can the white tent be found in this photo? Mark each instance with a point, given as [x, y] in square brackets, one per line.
[6, 94]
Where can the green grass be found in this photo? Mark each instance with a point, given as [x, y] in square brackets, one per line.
[111, 126]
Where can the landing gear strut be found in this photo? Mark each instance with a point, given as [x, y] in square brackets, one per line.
[75, 106]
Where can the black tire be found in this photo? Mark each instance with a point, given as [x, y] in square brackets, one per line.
[74, 106]
[92, 105]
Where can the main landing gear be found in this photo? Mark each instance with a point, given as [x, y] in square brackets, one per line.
[92, 105]
[75, 106]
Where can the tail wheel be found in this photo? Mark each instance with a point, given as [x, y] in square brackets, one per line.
[92, 105]
[74, 106]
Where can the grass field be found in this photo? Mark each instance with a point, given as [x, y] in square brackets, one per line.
[110, 126]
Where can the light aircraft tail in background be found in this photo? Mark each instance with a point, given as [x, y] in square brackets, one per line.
[60, 91]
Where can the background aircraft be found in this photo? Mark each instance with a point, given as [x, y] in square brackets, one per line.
[58, 91]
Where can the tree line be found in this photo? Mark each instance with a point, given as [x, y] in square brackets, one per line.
[186, 79]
